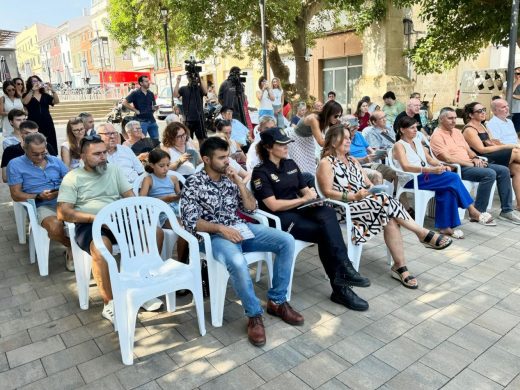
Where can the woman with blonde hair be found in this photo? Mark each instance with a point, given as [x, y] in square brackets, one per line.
[278, 101]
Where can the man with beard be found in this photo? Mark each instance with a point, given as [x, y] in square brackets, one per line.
[83, 193]
[210, 201]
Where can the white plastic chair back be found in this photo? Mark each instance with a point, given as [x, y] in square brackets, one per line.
[142, 274]
[199, 167]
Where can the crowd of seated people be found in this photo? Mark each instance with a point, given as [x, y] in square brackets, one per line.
[275, 170]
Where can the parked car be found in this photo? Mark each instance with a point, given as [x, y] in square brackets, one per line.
[164, 101]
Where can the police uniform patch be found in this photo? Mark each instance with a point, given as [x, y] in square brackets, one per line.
[274, 177]
[257, 183]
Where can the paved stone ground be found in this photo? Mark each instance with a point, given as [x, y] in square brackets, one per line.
[458, 331]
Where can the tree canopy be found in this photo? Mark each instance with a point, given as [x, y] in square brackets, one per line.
[456, 30]
[207, 27]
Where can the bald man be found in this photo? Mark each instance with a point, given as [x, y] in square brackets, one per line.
[412, 110]
[500, 126]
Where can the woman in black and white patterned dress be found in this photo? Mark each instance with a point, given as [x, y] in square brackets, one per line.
[341, 177]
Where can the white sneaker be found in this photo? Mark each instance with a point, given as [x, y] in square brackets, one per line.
[152, 305]
[511, 216]
[108, 311]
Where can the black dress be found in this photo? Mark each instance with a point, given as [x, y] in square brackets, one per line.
[499, 157]
[38, 111]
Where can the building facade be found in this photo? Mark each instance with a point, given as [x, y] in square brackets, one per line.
[28, 54]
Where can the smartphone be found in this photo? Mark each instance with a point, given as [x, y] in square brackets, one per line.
[354, 122]
[377, 189]
[54, 190]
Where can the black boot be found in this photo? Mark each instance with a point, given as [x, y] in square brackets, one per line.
[347, 297]
[347, 275]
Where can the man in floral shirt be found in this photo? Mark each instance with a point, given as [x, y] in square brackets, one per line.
[210, 201]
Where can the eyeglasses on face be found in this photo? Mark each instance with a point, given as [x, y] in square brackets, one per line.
[480, 111]
[179, 136]
[517, 74]
[18, 83]
[76, 131]
[109, 134]
[10, 90]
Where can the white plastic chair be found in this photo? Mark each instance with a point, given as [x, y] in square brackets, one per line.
[218, 275]
[354, 250]
[142, 274]
[421, 197]
[39, 241]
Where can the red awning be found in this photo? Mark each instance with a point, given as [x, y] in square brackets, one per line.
[121, 77]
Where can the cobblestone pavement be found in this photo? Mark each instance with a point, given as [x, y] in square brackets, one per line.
[459, 330]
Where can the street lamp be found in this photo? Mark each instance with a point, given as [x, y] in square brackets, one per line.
[164, 14]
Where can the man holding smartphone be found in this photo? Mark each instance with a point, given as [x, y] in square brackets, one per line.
[142, 102]
[37, 176]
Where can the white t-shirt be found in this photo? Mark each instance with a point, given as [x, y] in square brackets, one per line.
[277, 96]
[126, 160]
[265, 103]
[503, 130]
[74, 162]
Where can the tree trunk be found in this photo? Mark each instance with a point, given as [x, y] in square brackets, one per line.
[302, 66]
[279, 69]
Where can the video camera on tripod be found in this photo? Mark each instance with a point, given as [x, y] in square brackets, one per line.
[237, 76]
[193, 69]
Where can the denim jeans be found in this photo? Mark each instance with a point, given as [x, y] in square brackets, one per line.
[232, 256]
[485, 178]
[150, 128]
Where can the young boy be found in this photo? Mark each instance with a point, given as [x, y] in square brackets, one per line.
[15, 117]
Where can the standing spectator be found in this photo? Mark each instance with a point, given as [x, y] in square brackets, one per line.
[83, 193]
[277, 102]
[185, 159]
[231, 94]
[515, 109]
[412, 110]
[88, 123]
[143, 104]
[300, 114]
[38, 176]
[391, 108]
[331, 96]
[266, 97]
[37, 100]
[20, 86]
[15, 118]
[10, 101]
[192, 96]
[315, 124]
[16, 150]
[70, 149]
[500, 126]
[362, 114]
[118, 154]
[287, 108]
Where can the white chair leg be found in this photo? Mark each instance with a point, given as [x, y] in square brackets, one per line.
[171, 302]
[269, 265]
[126, 316]
[218, 278]
[354, 254]
[32, 249]
[420, 209]
[83, 266]
[492, 195]
[42, 253]
[198, 299]
[20, 216]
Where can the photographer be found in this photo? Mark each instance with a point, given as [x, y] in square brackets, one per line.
[192, 102]
[231, 94]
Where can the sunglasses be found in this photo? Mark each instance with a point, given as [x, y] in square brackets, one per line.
[10, 90]
[337, 116]
[480, 111]
[517, 74]
[91, 137]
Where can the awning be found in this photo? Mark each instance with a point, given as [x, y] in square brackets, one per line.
[122, 77]
[6, 36]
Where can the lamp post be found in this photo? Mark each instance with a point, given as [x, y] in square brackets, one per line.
[164, 14]
[513, 33]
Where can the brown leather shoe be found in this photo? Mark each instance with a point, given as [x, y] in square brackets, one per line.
[285, 312]
[256, 331]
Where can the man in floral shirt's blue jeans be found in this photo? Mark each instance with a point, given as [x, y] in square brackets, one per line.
[210, 201]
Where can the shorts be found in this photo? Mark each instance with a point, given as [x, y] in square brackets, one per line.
[45, 211]
[163, 218]
[84, 235]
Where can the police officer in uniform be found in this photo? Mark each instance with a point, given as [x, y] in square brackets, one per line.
[280, 188]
